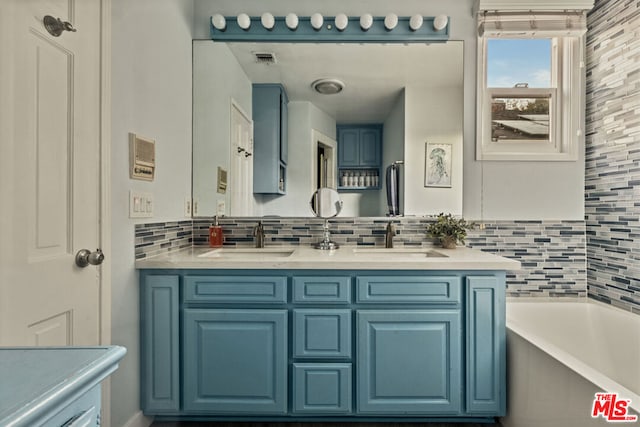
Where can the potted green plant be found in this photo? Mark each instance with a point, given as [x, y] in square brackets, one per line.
[449, 231]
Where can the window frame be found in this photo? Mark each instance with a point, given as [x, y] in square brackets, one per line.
[566, 115]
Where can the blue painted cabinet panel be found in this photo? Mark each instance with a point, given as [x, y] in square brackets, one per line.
[486, 376]
[160, 344]
[359, 146]
[235, 361]
[322, 388]
[348, 147]
[370, 147]
[408, 289]
[322, 289]
[270, 138]
[321, 333]
[409, 362]
[235, 289]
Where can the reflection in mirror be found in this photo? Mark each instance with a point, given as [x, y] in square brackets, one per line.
[413, 93]
[325, 203]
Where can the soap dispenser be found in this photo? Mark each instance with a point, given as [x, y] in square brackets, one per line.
[215, 234]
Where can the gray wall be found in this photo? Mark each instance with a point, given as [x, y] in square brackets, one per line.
[151, 95]
[612, 192]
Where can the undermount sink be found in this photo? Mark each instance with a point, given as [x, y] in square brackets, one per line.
[398, 253]
[248, 253]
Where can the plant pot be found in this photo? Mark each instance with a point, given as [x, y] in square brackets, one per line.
[448, 242]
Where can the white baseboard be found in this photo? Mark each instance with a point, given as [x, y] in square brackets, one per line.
[138, 420]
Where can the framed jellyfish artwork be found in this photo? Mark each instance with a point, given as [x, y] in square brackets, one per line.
[437, 170]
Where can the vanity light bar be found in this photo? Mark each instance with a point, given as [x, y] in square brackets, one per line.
[339, 28]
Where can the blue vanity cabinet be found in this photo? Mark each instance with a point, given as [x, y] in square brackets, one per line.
[160, 343]
[486, 347]
[235, 361]
[336, 345]
[270, 138]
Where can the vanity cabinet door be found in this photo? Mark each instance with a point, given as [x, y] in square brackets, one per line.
[486, 346]
[409, 362]
[235, 361]
[159, 351]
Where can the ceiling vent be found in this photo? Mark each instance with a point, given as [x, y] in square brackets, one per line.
[265, 58]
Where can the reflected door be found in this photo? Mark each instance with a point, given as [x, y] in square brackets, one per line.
[241, 183]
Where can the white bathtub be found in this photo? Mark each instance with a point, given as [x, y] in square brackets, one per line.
[561, 353]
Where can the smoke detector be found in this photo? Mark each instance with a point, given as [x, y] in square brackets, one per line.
[328, 86]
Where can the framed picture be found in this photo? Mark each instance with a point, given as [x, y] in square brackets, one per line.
[437, 165]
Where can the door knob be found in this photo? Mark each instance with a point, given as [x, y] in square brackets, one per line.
[55, 26]
[84, 257]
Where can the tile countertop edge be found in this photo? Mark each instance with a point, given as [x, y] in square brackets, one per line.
[461, 258]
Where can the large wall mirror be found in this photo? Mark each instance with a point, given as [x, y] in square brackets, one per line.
[414, 91]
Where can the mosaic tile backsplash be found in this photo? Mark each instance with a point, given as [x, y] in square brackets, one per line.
[612, 176]
[553, 254]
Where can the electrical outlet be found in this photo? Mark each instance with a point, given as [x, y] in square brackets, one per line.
[187, 207]
[194, 205]
[221, 208]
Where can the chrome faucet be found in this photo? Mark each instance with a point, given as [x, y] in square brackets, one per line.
[258, 233]
[388, 236]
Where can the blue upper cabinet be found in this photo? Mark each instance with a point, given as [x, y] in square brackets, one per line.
[359, 157]
[359, 146]
[270, 138]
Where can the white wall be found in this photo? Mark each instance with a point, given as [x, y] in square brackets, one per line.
[151, 95]
[219, 79]
[393, 138]
[303, 117]
[437, 121]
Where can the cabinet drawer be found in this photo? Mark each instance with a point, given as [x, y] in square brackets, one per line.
[259, 289]
[408, 289]
[310, 289]
[321, 333]
[322, 388]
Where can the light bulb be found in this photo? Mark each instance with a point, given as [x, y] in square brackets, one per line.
[244, 21]
[416, 22]
[366, 21]
[268, 21]
[316, 21]
[341, 21]
[390, 21]
[292, 21]
[218, 21]
[440, 22]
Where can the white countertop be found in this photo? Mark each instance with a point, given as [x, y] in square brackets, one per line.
[344, 258]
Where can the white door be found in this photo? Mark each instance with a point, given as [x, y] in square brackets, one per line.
[50, 179]
[241, 180]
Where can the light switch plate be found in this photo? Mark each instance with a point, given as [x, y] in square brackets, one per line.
[140, 204]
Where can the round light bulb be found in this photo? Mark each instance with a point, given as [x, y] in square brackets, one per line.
[390, 21]
[244, 21]
[268, 21]
[316, 21]
[292, 21]
[218, 21]
[440, 22]
[341, 21]
[366, 21]
[416, 22]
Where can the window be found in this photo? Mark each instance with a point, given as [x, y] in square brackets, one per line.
[530, 87]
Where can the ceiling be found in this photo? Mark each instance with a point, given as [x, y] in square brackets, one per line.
[374, 74]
